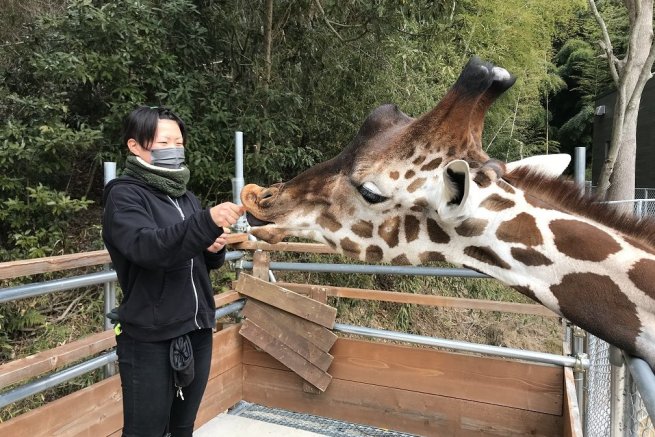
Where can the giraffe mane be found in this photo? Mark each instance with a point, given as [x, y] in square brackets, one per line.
[562, 194]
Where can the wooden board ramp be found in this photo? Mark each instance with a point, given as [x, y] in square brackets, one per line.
[292, 328]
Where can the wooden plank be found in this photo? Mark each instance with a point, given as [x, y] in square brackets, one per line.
[51, 359]
[285, 247]
[261, 262]
[16, 269]
[227, 348]
[534, 387]
[92, 411]
[272, 321]
[283, 354]
[287, 300]
[315, 334]
[572, 421]
[423, 299]
[222, 392]
[496, 381]
[392, 408]
[225, 298]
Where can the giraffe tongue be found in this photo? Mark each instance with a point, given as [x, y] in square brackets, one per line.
[254, 221]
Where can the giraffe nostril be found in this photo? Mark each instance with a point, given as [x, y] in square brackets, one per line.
[267, 194]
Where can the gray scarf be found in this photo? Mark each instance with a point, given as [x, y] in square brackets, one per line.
[169, 181]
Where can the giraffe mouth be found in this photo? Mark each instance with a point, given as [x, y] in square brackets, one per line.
[254, 221]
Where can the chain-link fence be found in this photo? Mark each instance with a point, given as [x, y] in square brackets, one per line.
[600, 400]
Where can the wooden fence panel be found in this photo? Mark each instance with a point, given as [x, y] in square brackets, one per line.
[392, 408]
[97, 410]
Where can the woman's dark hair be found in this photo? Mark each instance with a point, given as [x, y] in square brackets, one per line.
[141, 125]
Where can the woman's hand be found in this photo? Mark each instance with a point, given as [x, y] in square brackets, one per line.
[220, 242]
[226, 214]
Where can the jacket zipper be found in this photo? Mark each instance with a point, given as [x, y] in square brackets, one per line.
[193, 283]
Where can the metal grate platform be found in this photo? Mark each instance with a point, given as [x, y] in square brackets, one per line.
[308, 422]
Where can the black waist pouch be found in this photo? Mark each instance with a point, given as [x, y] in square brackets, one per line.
[181, 355]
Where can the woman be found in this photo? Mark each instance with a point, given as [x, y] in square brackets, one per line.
[162, 245]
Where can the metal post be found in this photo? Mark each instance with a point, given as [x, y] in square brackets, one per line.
[580, 165]
[110, 286]
[578, 373]
[617, 392]
[237, 180]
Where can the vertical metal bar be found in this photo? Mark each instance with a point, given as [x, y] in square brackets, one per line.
[617, 392]
[579, 166]
[109, 171]
[237, 180]
[578, 373]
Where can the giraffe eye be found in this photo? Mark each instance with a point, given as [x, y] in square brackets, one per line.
[371, 193]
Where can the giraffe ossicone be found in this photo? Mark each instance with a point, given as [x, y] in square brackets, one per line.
[415, 191]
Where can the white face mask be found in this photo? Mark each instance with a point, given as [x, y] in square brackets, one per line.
[169, 157]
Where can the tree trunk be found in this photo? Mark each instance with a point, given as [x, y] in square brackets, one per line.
[268, 41]
[630, 74]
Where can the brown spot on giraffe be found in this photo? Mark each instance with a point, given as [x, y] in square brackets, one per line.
[363, 229]
[527, 291]
[328, 221]
[496, 202]
[400, 260]
[435, 232]
[521, 229]
[530, 257]
[471, 227]
[436, 162]
[483, 178]
[389, 230]
[505, 186]
[598, 293]
[421, 202]
[417, 208]
[409, 174]
[642, 274]
[330, 243]
[374, 254]
[418, 183]
[431, 256]
[394, 175]
[412, 228]
[486, 255]
[419, 160]
[350, 247]
[582, 241]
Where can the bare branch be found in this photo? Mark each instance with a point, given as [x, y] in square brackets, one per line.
[320, 8]
[607, 43]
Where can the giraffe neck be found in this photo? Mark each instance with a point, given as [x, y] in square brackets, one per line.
[597, 277]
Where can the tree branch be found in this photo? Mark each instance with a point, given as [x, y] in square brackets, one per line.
[644, 74]
[607, 43]
[320, 8]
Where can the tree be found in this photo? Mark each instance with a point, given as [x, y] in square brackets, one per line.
[630, 74]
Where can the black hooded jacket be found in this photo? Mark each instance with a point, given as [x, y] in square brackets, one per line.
[158, 247]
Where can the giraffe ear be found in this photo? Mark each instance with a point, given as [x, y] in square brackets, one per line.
[548, 165]
[456, 186]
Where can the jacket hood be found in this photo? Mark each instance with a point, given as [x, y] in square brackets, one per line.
[123, 180]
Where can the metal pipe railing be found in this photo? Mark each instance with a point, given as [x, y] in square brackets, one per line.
[55, 379]
[369, 269]
[540, 357]
[644, 379]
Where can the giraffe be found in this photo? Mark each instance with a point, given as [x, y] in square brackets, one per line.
[415, 191]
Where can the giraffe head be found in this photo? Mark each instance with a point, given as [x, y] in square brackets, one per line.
[399, 178]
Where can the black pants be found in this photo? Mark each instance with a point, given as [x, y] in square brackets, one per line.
[150, 405]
